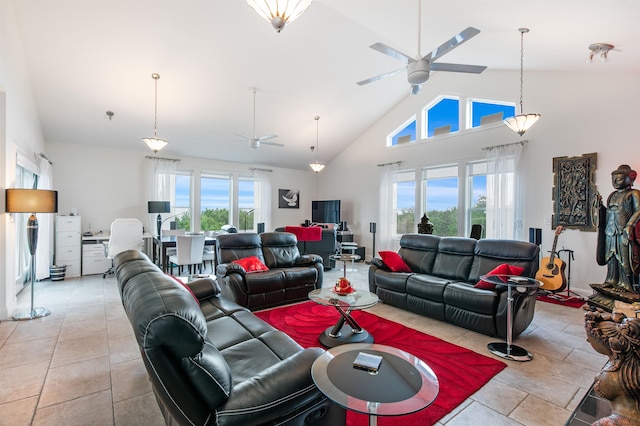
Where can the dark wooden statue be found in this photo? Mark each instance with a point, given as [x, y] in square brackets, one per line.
[425, 226]
[618, 245]
[617, 337]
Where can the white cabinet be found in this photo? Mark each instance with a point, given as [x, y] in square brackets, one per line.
[94, 259]
[68, 242]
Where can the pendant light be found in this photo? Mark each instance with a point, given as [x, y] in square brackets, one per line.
[279, 12]
[522, 122]
[317, 166]
[154, 143]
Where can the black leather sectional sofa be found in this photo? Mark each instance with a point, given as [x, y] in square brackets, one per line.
[444, 272]
[211, 361]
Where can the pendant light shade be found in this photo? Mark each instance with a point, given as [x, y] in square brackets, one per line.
[521, 122]
[317, 166]
[154, 143]
[279, 12]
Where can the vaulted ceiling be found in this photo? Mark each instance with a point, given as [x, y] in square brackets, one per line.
[91, 56]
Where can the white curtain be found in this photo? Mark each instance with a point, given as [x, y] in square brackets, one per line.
[159, 178]
[504, 200]
[44, 250]
[263, 204]
[386, 222]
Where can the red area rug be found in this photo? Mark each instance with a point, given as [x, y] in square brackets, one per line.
[571, 301]
[461, 372]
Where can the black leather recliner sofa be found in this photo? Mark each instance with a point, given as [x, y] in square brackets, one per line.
[324, 248]
[289, 279]
[444, 272]
[212, 362]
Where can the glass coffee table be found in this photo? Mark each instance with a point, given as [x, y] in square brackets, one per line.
[342, 333]
[403, 383]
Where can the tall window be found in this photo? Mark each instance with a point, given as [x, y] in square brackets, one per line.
[477, 195]
[405, 202]
[247, 190]
[24, 179]
[181, 203]
[440, 186]
[215, 201]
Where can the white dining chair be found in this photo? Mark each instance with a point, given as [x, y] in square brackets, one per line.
[189, 251]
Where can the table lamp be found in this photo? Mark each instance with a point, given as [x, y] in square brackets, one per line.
[31, 201]
[159, 207]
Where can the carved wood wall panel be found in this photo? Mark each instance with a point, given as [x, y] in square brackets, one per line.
[573, 192]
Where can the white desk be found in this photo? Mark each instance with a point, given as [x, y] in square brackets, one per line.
[94, 258]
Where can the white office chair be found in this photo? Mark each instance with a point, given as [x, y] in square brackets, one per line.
[126, 234]
[189, 251]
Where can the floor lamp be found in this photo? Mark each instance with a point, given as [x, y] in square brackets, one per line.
[159, 207]
[31, 201]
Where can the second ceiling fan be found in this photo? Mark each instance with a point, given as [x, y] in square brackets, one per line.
[418, 69]
[256, 141]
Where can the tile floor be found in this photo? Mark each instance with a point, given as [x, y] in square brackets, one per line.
[81, 365]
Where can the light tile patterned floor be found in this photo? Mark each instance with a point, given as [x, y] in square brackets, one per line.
[81, 365]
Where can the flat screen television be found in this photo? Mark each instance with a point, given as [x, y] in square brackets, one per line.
[327, 211]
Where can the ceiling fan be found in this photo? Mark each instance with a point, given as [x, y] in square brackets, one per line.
[418, 69]
[255, 141]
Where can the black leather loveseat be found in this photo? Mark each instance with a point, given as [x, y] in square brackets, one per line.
[442, 282]
[290, 276]
[212, 362]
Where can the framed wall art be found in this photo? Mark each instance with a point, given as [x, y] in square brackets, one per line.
[289, 198]
[574, 190]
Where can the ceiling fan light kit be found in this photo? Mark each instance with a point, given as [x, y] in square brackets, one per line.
[316, 166]
[279, 12]
[419, 68]
[601, 49]
[154, 143]
[522, 122]
[255, 142]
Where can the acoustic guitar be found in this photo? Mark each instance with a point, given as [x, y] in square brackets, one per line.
[551, 271]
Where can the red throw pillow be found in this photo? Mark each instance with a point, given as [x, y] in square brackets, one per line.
[502, 269]
[394, 261]
[187, 287]
[251, 264]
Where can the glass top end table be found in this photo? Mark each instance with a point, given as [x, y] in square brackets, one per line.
[508, 350]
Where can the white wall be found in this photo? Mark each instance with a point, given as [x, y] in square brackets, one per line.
[581, 113]
[20, 130]
[104, 183]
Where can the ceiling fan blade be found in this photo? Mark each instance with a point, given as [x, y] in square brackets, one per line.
[473, 69]
[390, 51]
[379, 77]
[241, 135]
[415, 89]
[262, 142]
[267, 137]
[452, 43]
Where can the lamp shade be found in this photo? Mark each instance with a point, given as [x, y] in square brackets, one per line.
[521, 123]
[159, 207]
[279, 12]
[31, 201]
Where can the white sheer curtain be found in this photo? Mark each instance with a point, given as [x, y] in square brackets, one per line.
[44, 250]
[159, 178]
[263, 202]
[386, 222]
[504, 201]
